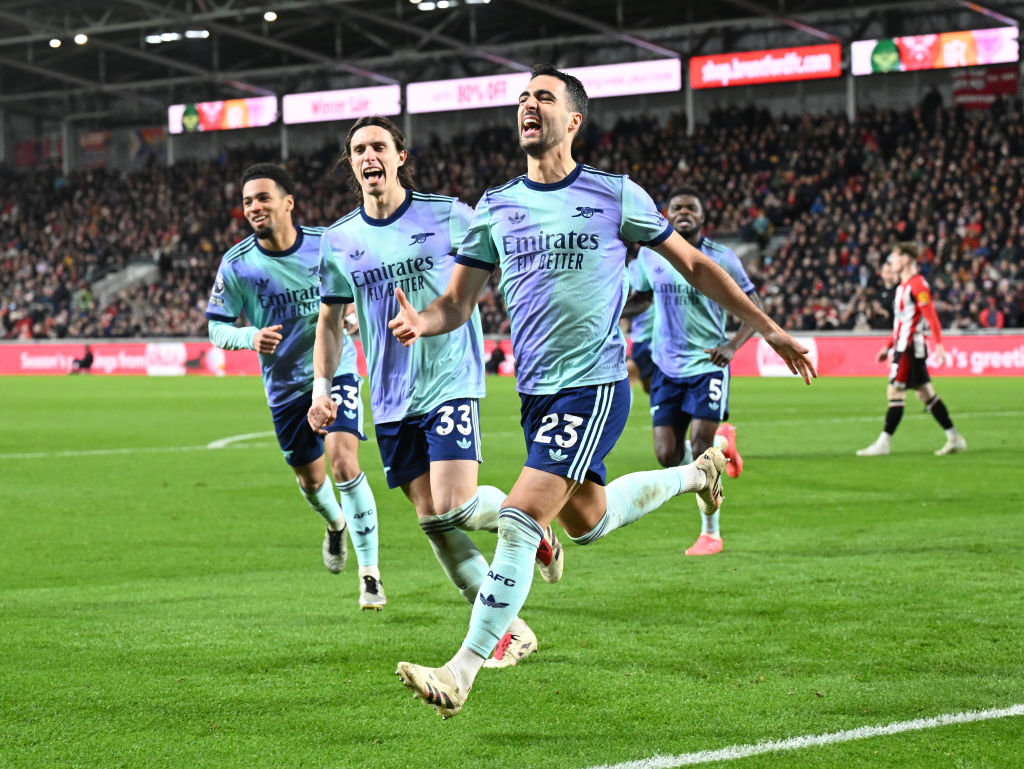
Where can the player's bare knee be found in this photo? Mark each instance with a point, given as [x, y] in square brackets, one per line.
[344, 468]
[668, 457]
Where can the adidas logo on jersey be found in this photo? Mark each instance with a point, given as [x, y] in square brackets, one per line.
[516, 217]
[349, 414]
[356, 255]
[464, 443]
[557, 455]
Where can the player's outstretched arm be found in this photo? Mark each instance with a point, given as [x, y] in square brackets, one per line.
[715, 283]
[723, 354]
[444, 314]
[326, 356]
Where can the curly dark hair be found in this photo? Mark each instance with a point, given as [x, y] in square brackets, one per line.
[275, 173]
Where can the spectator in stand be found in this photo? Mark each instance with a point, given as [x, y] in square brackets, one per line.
[992, 316]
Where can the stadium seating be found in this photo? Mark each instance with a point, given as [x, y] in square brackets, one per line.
[832, 196]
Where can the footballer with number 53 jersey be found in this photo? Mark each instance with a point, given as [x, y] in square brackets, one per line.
[271, 277]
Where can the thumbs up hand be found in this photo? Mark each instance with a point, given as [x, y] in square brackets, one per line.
[406, 325]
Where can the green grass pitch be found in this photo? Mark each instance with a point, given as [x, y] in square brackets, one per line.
[164, 604]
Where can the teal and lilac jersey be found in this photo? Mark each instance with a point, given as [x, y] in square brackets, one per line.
[277, 287]
[685, 321]
[641, 326]
[562, 252]
[363, 260]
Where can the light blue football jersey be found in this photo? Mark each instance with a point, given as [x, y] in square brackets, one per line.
[363, 260]
[685, 321]
[641, 326]
[278, 287]
[562, 252]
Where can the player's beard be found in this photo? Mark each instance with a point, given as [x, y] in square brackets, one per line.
[537, 147]
[264, 231]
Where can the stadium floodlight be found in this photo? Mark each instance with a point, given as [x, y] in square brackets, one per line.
[478, 2]
[55, 42]
[269, 16]
[81, 38]
[169, 37]
[154, 39]
[415, 2]
[197, 34]
[427, 6]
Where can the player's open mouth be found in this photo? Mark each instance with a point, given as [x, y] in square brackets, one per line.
[531, 126]
[259, 219]
[373, 174]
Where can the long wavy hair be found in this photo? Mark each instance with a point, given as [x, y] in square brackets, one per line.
[406, 172]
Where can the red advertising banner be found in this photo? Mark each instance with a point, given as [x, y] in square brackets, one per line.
[979, 88]
[778, 65]
[165, 358]
[980, 356]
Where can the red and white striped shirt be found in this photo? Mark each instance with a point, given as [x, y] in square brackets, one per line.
[913, 316]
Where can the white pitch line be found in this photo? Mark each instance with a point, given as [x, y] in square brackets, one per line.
[239, 441]
[796, 743]
[232, 439]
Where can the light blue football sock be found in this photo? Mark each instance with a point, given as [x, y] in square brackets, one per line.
[710, 522]
[633, 496]
[479, 512]
[456, 552]
[507, 581]
[325, 503]
[361, 512]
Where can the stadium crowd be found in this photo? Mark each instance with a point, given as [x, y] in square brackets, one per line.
[821, 198]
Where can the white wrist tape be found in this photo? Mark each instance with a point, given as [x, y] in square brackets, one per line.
[321, 387]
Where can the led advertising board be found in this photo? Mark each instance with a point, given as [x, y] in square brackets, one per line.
[601, 81]
[221, 115]
[778, 65]
[967, 48]
[346, 104]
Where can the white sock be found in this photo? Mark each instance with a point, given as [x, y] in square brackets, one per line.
[373, 571]
[691, 478]
[464, 666]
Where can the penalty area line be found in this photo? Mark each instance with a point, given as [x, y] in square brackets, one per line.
[796, 743]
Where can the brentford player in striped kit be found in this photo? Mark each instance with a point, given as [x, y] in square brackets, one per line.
[913, 313]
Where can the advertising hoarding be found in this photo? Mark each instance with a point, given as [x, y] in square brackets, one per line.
[346, 104]
[202, 116]
[639, 77]
[966, 48]
[778, 65]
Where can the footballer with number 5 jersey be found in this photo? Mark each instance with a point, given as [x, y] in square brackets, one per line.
[423, 399]
[913, 315]
[559, 235]
[691, 353]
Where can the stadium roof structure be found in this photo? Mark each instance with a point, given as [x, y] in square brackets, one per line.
[135, 57]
